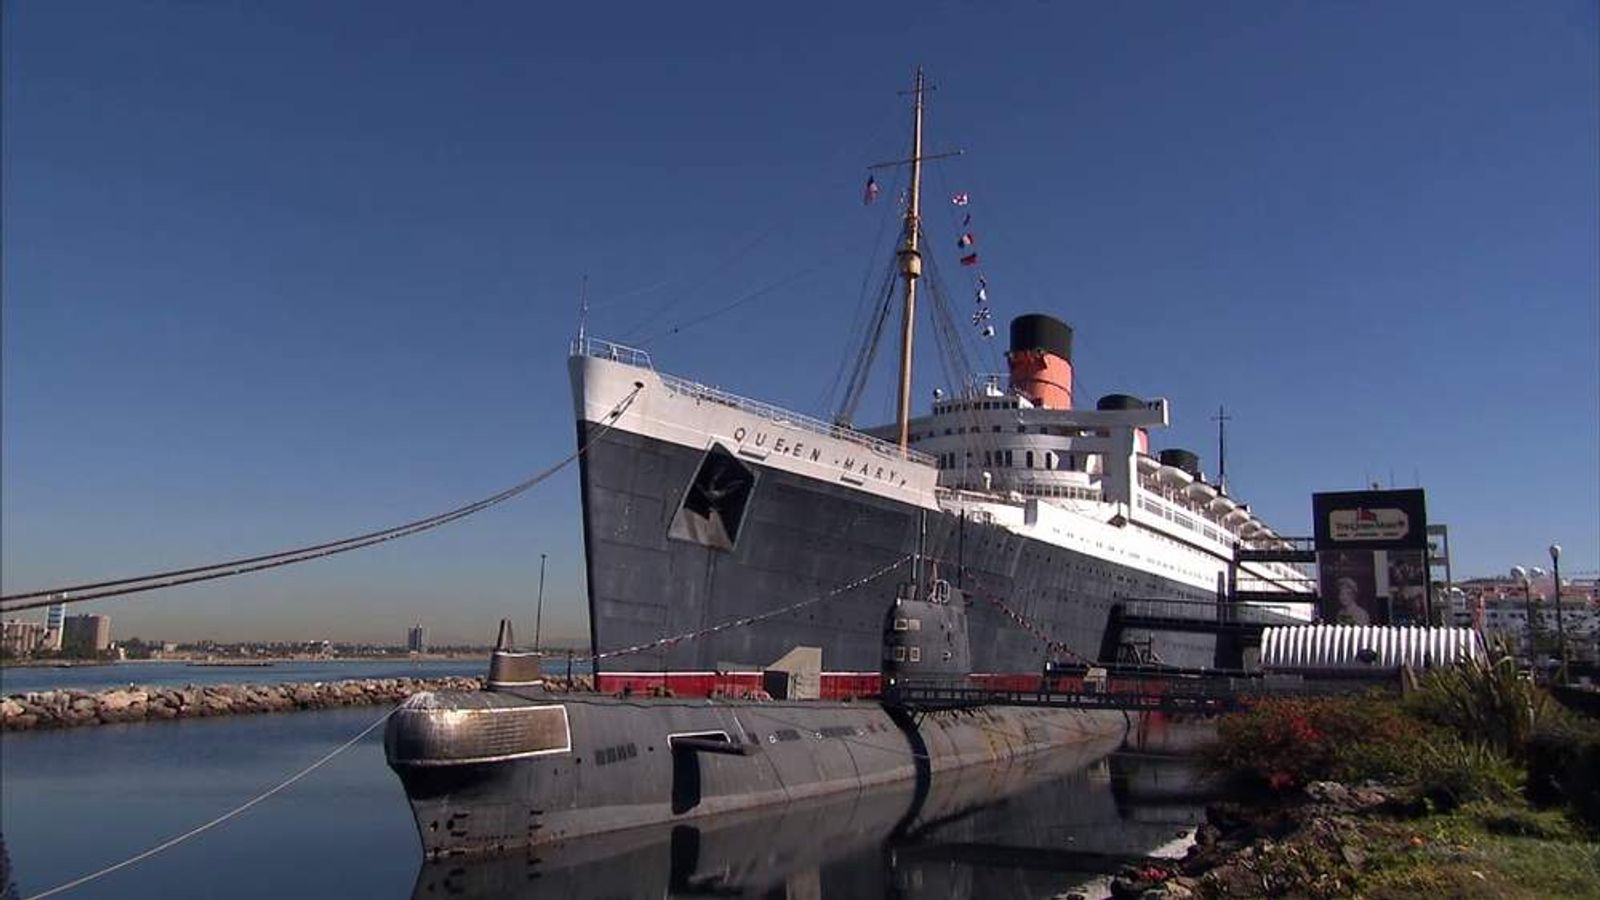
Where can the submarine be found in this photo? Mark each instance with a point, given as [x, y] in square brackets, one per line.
[849, 844]
[518, 764]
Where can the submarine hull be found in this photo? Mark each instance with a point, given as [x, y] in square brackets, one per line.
[491, 771]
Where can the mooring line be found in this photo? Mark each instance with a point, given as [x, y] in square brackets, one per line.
[200, 829]
[155, 581]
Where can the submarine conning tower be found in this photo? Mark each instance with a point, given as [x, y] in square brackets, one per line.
[1041, 360]
[925, 637]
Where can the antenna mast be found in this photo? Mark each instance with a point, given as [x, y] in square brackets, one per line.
[583, 314]
[1222, 418]
[910, 264]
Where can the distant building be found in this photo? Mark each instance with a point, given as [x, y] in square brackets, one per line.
[90, 633]
[19, 638]
[417, 639]
[55, 618]
[1499, 607]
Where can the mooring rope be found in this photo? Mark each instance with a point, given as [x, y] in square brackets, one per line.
[120, 586]
[201, 829]
[753, 620]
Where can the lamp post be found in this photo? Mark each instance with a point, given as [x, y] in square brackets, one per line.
[1521, 574]
[538, 616]
[1561, 631]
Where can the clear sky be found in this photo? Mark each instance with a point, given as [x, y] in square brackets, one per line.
[278, 272]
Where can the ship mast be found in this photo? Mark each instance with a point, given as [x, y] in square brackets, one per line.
[910, 264]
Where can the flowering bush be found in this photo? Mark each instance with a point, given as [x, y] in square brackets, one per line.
[1287, 742]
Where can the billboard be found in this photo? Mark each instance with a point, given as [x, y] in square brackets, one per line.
[1348, 583]
[1405, 583]
[1372, 551]
[1370, 520]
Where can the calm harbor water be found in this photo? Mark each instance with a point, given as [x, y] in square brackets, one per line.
[19, 679]
[77, 800]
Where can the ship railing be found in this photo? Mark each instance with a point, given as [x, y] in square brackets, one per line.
[780, 416]
[1201, 523]
[609, 350]
[602, 349]
[1003, 487]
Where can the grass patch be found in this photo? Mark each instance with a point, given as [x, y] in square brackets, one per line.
[1460, 854]
[1495, 792]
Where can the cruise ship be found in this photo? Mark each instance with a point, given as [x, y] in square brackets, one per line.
[703, 511]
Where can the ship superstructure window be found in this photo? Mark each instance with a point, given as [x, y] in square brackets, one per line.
[714, 504]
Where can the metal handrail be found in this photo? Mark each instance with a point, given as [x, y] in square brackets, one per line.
[601, 349]
[776, 414]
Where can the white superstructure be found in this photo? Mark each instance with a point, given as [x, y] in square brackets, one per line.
[1078, 479]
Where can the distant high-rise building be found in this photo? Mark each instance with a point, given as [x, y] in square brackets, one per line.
[417, 639]
[55, 618]
[86, 633]
[20, 638]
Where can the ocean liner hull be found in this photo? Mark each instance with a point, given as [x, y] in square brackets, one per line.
[799, 537]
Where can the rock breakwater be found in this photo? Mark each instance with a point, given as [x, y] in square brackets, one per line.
[69, 708]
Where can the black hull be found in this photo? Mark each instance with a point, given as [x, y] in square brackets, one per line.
[800, 538]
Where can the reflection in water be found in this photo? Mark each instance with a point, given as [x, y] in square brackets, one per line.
[80, 799]
[1157, 777]
[1029, 828]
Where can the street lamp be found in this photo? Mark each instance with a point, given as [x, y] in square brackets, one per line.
[1561, 631]
[1522, 575]
[538, 617]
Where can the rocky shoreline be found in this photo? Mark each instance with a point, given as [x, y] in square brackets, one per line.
[1310, 848]
[71, 709]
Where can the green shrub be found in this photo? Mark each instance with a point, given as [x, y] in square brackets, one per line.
[1485, 700]
[1564, 768]
[1450, 772]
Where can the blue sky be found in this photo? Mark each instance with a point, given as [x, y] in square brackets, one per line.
[276, 272]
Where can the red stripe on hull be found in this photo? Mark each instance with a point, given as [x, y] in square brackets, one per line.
[834, 685]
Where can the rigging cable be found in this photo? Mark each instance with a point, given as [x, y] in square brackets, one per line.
[864, 314]
[724, 265]
[988, 347]
[756, 619]
[200, 829]
[787, 280]
[867, 352]
[726, 262]
[173, 578]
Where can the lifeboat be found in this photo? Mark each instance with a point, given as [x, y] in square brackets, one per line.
[1174, 477]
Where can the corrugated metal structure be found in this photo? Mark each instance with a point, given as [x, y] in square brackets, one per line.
[1366, 647]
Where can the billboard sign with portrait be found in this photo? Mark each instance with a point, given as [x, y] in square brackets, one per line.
[1349, 587]
[1372, 557]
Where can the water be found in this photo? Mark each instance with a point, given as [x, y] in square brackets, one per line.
[17, 680]
[77, 800]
